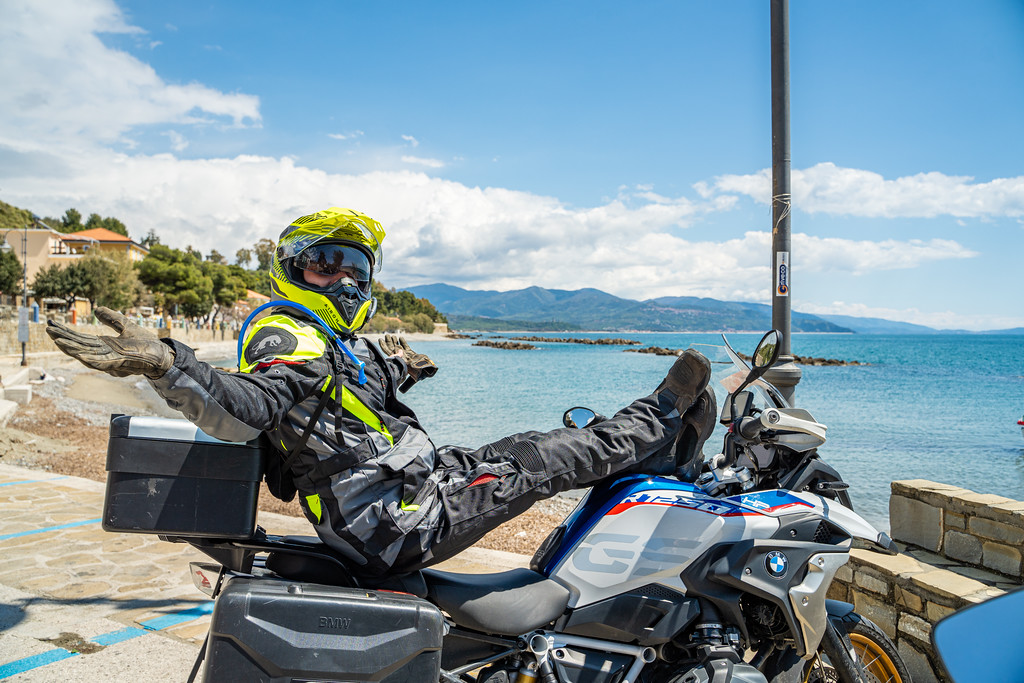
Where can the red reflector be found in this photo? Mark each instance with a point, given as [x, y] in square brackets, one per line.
[483, 479]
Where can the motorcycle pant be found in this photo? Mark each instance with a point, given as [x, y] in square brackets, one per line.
[483, 488]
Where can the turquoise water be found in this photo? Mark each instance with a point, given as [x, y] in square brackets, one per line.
[938, 407]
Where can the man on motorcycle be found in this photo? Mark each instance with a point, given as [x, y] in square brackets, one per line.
[369, 479]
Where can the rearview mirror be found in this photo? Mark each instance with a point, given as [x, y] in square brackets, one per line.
[982, 642]
[767, 351]
[765, 354]
[578, 417]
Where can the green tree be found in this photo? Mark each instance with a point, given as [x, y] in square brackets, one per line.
[110, 223]
[71, 221]
[103, 279]
[216, 257]
[420, 322]
[228, 287]
[56, 282]
[177, 281]
[243, 257]
[256, 280]
[404, 304]
[108, 280]
[264, 250]
[10, 273]
[150, 239]
[49, 282]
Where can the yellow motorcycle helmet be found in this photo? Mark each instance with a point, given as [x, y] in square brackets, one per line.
[326, 261]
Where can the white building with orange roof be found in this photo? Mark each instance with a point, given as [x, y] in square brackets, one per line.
[107, 241]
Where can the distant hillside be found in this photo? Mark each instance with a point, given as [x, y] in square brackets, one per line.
[592, 309]
[11, 217]
[879, 325]
[882, 326]
[469, 322]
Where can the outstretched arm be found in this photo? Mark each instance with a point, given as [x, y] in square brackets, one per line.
[237, 406]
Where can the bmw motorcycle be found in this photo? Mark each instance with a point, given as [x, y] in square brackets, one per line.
[648, 580]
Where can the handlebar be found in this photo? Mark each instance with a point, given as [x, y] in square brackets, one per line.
[750, 427]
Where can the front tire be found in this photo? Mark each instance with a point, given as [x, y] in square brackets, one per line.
[873, 649]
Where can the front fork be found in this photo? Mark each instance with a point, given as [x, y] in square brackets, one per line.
[784, 666]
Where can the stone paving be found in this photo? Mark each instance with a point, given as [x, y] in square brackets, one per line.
[81, 604]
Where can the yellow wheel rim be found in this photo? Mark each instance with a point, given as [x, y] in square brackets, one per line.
[874, 659]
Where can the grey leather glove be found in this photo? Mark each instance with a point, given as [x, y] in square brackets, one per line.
[135, 351]
[418, 364]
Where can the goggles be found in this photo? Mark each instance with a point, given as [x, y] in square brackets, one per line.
[344, 226]
[332, 259]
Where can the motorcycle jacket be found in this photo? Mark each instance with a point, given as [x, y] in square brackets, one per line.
[365, 475]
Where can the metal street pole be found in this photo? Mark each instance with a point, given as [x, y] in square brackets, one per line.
[784, 374]
[24, 282]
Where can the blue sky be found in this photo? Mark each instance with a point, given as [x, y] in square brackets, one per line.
[619, 146]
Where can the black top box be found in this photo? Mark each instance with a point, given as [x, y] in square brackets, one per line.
[168, 477]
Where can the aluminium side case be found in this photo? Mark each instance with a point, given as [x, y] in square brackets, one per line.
[284, 631]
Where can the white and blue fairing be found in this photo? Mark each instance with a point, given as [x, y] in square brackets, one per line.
[641, 530]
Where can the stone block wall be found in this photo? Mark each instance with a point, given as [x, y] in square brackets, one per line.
[958, 548]
[39, 342]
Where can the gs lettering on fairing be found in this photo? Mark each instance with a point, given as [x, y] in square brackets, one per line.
[680, 499]
[754, 503]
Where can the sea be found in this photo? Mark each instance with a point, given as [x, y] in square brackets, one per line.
[937, 407]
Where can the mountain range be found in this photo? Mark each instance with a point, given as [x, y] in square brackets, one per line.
[537, 308]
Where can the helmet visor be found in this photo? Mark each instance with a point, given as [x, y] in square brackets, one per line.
[298, 238]
[336, 259]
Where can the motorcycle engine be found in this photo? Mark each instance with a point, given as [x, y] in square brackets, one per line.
[496, 674]
[722, 670]
[765, 617]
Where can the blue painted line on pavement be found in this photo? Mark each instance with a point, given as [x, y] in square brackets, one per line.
[4, 537]
[155, 624]
[169, 620]
[31, 481]
[29, 663]
[119, 636]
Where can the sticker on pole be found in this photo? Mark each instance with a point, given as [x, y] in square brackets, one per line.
[23, 325]
[782, 273]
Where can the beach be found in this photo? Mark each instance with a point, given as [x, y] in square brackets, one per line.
[63, 430]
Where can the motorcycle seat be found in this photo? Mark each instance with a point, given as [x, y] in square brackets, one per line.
[506, 603]
[317, 563]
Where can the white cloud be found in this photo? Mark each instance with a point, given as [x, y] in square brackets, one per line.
[178, 141]
[346, 136]
[440, 230]
[64, 86]
[411, 140]
[421, 161]
[828, 188]
[941, 320]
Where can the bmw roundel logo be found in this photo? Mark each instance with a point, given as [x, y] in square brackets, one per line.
[776, 564]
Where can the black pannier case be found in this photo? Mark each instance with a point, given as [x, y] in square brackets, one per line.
[282, 631]
[168, 477]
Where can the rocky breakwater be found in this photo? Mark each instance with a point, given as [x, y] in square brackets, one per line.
[657, 351]
[800, 360]
[608, 341]
[809, 360]
[512, 346]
